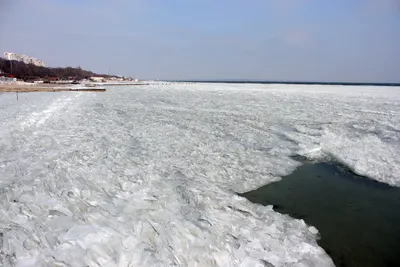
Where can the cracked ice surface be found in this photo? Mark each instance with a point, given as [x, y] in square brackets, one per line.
[145, 176]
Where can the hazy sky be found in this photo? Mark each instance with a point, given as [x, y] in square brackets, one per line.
[318, 40]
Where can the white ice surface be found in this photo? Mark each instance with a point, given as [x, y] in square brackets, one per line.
[146, 175]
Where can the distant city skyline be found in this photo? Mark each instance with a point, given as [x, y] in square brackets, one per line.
[292, 40]
[23, 58]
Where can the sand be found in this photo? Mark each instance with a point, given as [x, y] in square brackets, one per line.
[21, 87]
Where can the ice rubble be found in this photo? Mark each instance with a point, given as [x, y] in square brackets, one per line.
[146, 176]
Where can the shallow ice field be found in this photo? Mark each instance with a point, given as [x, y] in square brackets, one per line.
[147, 175]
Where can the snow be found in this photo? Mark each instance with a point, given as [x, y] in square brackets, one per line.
[146, 175]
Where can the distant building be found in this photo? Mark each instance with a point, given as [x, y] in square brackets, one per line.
[23, 58]
[11, 56]
[97, 79]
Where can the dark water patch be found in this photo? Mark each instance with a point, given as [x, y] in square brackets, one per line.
[358, 218]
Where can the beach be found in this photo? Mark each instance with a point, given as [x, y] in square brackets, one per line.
[21, 87]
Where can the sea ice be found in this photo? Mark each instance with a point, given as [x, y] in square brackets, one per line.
[147, 175]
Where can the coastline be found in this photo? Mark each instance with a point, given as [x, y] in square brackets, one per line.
[30, 88]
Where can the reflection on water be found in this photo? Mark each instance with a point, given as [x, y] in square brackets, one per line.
[358, 218]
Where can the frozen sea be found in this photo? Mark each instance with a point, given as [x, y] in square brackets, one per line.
[147, 175]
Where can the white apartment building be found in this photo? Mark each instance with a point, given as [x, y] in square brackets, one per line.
[11, 56]
[23, 58]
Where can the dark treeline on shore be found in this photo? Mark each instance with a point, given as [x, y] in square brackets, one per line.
[24, 71]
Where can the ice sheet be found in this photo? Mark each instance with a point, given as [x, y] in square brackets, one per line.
[146, 175]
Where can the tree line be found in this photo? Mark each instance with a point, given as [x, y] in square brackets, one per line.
[24, 71]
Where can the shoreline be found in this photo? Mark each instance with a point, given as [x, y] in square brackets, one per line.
[31, 88]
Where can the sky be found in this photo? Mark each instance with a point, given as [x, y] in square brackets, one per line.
[284, 40]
